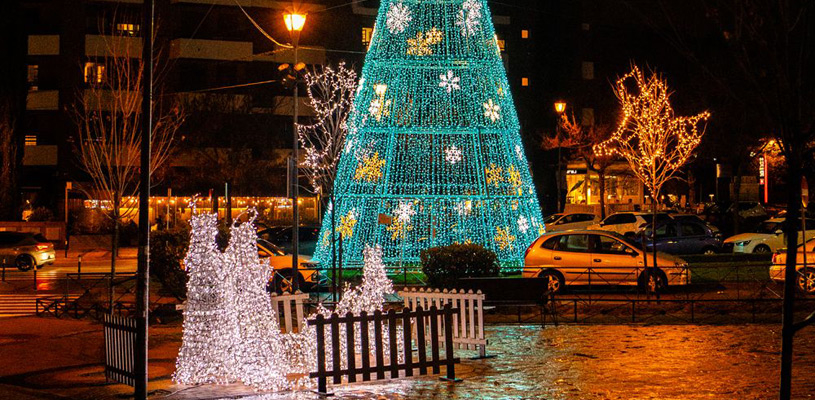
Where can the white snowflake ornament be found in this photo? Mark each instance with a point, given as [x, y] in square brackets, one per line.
[468, 18]
[449, 81]
[523, 224]
[452, 155]
[398, 18]
[492, 110]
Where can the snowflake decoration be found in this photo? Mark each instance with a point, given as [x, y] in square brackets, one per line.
[523, 224]
[452, 155]
[398, 18]
[514, 178]
[464, 207]
[468, 18]
[349, 146]
[398, 229]
[492, 110]
[404, 212]
[347, 224]
[519, 152]
[370, 168]
[449, 81]
[360, 85]
[541, 228]
[494, 175]
[503, 238]
[420, 45]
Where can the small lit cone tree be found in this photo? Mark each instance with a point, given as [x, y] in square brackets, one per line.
[210, 327]
[433, 141]
[654, 141]
[259, 355]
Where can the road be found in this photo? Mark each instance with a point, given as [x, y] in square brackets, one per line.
[19, 291]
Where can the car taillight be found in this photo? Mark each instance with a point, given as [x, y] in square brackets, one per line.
[528, 249]
[775, 258]
[43, 246]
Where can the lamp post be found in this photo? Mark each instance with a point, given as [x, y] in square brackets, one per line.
[294, 24]
[560, 107]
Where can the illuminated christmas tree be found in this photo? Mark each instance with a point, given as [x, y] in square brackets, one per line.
[433, 141]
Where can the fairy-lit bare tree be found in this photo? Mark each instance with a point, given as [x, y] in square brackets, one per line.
[9, 161]
[654, 141]
[109, 118]
[331, 96]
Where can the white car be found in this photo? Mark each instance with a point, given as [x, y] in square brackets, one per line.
[568, 221]
[805, 276]
[767, 238]
[627, 223]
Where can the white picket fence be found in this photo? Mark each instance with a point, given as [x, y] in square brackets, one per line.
[284, 305]
[468, 324]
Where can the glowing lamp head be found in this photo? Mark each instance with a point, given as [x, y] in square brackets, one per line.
[294, 21]
[560, 107]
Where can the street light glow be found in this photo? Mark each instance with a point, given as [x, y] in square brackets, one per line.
[560, 107]
[294, 21]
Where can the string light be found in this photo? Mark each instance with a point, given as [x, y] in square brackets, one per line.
[650, 136]
[433, 123]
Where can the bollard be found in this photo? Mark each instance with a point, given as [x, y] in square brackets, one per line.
[4, 272]
[36, 288]
[79, 267]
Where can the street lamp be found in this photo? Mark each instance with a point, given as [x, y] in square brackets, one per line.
[294, 24]
[560, 107]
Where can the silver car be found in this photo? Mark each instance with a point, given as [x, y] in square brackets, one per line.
[25, 250]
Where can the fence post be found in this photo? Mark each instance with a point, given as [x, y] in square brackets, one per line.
[322, 384]
[448, 346]
[79, 267]
[36, 287]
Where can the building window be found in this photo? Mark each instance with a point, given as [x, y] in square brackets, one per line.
[524, 34]
[586, 26]
[524, 81]
[30, 140]
[127, 29]
[367, 35]
[501, 43]
[33, 78]
[588, 70]
[94, 73]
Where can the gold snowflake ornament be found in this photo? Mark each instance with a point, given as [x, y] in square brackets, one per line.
[503, 238]
[347, 224]
[420, 45]
[370, 168]
[494, 175]
[514, 178]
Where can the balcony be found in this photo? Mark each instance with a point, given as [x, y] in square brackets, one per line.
[202, 49]
[104, 45]
[37, 156]
[43, 45]
[42, 100]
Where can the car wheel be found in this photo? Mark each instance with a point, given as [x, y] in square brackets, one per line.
[25, 263]
[761, 249]
[708, 251]
[554, 281]
[283, 282]
[806, 281]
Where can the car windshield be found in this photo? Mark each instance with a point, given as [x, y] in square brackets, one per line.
[552, 218]
[768, 227]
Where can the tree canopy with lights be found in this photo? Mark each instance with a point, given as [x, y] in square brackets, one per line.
[433, 154]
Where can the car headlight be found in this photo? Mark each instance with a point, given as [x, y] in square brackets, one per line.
[743, 243]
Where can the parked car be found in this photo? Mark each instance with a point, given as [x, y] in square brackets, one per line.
[767, 238]
[805, 278]
[685, 236]
[628, 223]
[26, 250]
[308, 276]
[281, 237]
[598, 258]
[748, 209]
[568, 221]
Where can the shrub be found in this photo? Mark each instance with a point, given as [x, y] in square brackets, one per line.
[444, 266]
[167, 251]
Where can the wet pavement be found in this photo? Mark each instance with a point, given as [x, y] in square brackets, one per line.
[610, 362]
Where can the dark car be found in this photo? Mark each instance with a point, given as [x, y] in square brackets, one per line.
[684, 237]
[281, 237]
[25, 250]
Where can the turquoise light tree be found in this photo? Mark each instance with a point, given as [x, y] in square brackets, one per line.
[433, 154]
